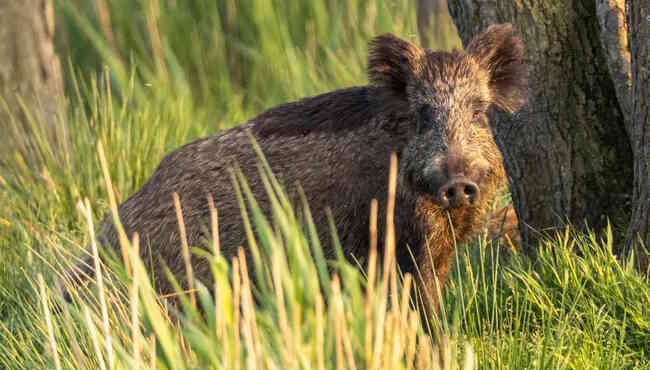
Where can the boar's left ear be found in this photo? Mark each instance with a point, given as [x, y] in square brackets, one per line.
[501, 53]
[393, 62]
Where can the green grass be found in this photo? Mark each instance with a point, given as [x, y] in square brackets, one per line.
[165, 72]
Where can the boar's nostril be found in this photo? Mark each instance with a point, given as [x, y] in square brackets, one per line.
[471, 192]
[458, 193]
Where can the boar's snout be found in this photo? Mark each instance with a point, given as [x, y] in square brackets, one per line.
[458, 192]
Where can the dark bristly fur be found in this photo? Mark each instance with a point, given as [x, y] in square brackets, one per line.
[393, 63]
[508, 75]
[428, 107]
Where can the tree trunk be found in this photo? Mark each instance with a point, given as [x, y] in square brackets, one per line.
[638, 234]
[31, 85]
[567, 156]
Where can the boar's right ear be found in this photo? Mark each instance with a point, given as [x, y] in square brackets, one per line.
[501, 54]
[392, 62]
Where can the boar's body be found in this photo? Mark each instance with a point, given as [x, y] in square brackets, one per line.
[428, 107]
[336, 146]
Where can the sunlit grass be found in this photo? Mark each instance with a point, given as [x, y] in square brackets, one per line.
[292, 321]
[146, 76]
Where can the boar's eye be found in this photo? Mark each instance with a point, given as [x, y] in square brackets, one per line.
[479, 117]
[426, 118]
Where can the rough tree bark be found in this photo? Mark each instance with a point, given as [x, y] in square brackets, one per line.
[30, 71]
[567, 156]
[638, 234]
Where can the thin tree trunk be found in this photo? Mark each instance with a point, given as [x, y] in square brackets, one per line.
[614, 38]
[30, 71]
[435, 27]
[567, 156]
[426, 20]
[638, 234]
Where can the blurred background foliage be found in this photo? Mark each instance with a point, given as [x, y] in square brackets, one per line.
[235, 57]
[145, 76]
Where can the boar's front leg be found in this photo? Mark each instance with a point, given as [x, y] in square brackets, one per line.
[503, 226]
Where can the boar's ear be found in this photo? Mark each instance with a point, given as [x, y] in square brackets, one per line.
[392, 62]
[501, 53]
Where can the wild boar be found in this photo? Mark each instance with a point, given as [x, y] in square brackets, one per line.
[428, 107]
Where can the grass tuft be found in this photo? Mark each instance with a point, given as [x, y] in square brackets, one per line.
[145, 76]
